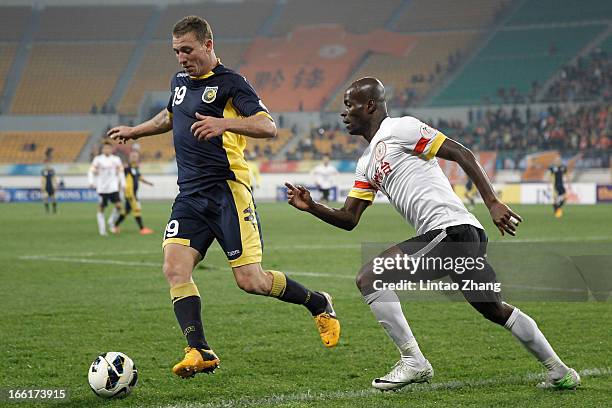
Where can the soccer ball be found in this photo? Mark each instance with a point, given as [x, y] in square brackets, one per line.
[112, 375]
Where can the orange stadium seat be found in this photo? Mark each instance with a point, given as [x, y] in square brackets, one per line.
[159, 148]
[69, 77]
[159, 64]
[31, 147]
[13, 22]
[429, 15]
[356, 17]
[300, 72]
[77, 23]
[396, 72]
[253, 145]
[232, 19]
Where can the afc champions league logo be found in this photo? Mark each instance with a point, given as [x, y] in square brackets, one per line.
[380, 151]
[210, 94]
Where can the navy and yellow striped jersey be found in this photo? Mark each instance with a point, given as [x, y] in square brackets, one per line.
[221, 93]
[48, 173]
[132, 177]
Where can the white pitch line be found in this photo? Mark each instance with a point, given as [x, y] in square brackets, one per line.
[310, 396]
[89, 261]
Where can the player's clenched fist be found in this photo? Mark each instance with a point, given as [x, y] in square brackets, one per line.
[299, 197]
[121, 134]
[504, 218]
[207, 127]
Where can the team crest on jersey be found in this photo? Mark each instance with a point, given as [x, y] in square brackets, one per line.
[380, 151]
[210, 94]
[427, 132]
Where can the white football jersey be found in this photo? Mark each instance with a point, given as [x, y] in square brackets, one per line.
[400, 162]
[108, 172]
[324, 175]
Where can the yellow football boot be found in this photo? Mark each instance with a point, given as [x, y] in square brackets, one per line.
[328, 324]
[196, 361]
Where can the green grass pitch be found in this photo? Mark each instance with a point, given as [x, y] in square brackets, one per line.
[68, 294]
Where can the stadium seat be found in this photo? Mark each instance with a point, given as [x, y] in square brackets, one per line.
[7, 53]
[225, 18]
[70, 77]
[430, 15]
[13, 22]
[396, 72]
[355, 17]
[159, 64]
[78, 23]
[32, 147]
[515, 58]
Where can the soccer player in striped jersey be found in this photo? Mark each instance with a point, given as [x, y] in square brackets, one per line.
[133, 178]
[212, 112]
[48, 186]
[400, 162]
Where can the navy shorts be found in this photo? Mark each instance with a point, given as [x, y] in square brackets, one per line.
[225, 212]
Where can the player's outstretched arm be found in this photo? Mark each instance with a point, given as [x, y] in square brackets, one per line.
[160, 123]
[346, 217]
[504, 218]
[258, 126]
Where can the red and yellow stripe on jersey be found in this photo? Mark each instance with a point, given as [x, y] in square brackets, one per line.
[363, 191]
[428, 148]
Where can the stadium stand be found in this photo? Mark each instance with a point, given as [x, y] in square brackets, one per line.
[35, 147]
[159, 148]
[355, 17]
[588, 79]
[408, 79]
[77, 23]
[301, 71]
[554, 11]
[159, 64]
[584, 129]
[69, 77]
[268, 148]
[7, 53]
[432, 15]
[505, 70]
[13, 22]
[234, 19]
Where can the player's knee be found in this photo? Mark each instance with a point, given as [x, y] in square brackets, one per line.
[497, 313]
[364, 278]
[252, 280]
[175, 271]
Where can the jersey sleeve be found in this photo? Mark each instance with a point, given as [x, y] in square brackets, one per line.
[362, 189]
[246, 100]
[169, 106]
[418, 137]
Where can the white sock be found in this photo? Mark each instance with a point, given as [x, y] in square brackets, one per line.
[113, 217]
[388, 311]
[101, 226]
[525, 329]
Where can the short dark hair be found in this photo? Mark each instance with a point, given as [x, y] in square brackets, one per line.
[107, 142]
[193, 24]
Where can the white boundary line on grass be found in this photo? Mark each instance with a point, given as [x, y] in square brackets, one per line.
[314, 396]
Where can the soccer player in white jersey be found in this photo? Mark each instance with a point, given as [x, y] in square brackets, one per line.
[400, 162]
[106, 176]
[324, 175]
